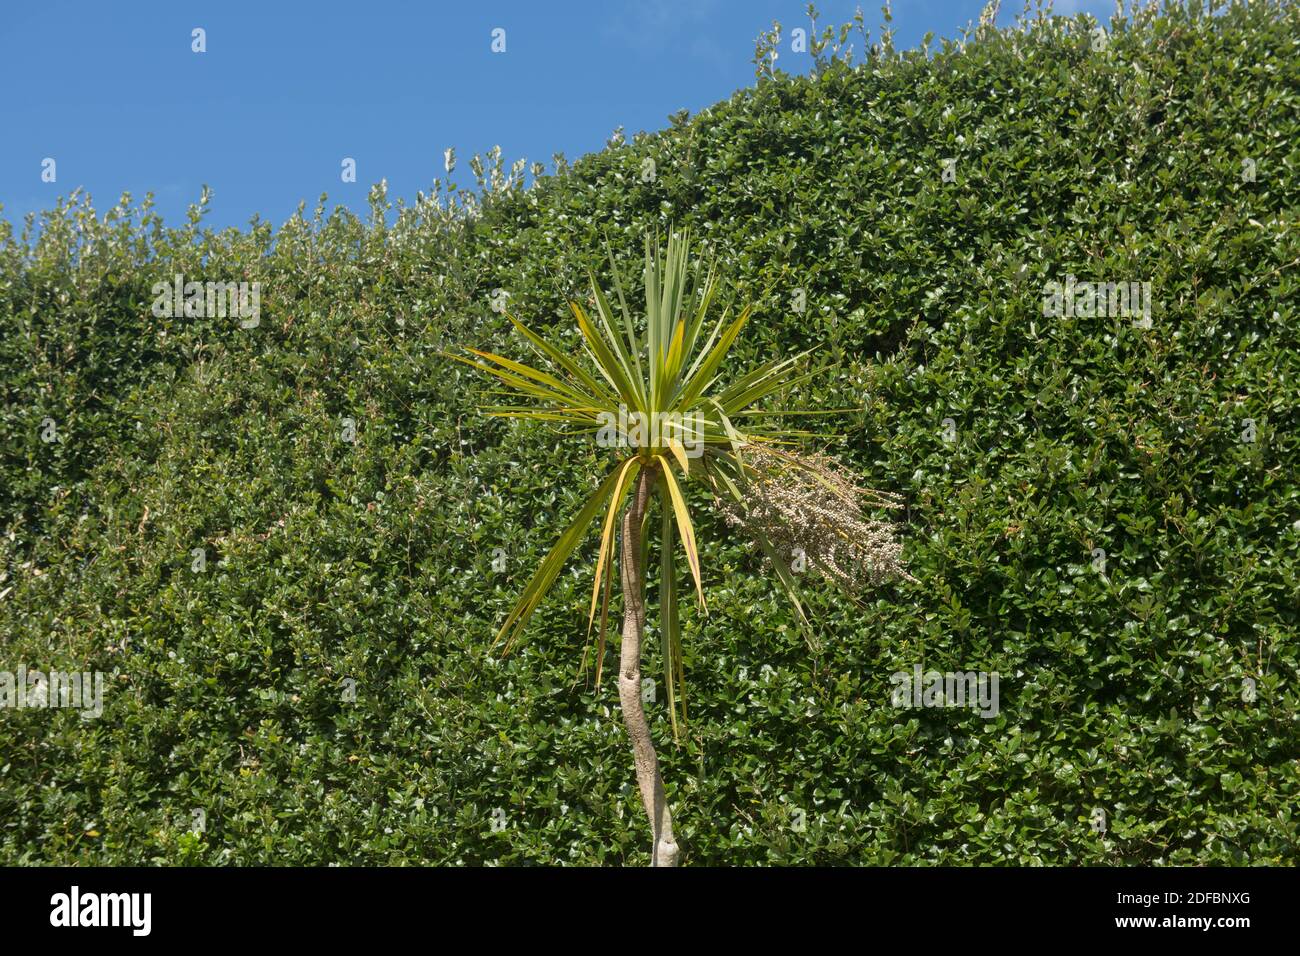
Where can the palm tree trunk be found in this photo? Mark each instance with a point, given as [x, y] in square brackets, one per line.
[663, 852]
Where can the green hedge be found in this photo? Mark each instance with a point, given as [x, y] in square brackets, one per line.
[369, 564]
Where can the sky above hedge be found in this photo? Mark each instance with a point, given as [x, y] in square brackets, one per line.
[285, 92]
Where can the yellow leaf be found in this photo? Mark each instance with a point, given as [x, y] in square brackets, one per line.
[684, 528]
[679, 452]
[607, 534]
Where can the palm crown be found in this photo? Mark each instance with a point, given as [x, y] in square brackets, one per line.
[663, 394]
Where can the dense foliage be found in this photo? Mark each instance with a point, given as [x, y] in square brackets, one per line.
[1093, 524]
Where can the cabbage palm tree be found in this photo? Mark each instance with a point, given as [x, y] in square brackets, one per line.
[659, 390]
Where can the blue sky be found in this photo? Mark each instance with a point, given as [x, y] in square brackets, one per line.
[286, 90]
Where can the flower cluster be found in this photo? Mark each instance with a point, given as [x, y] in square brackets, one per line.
[809, 509]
